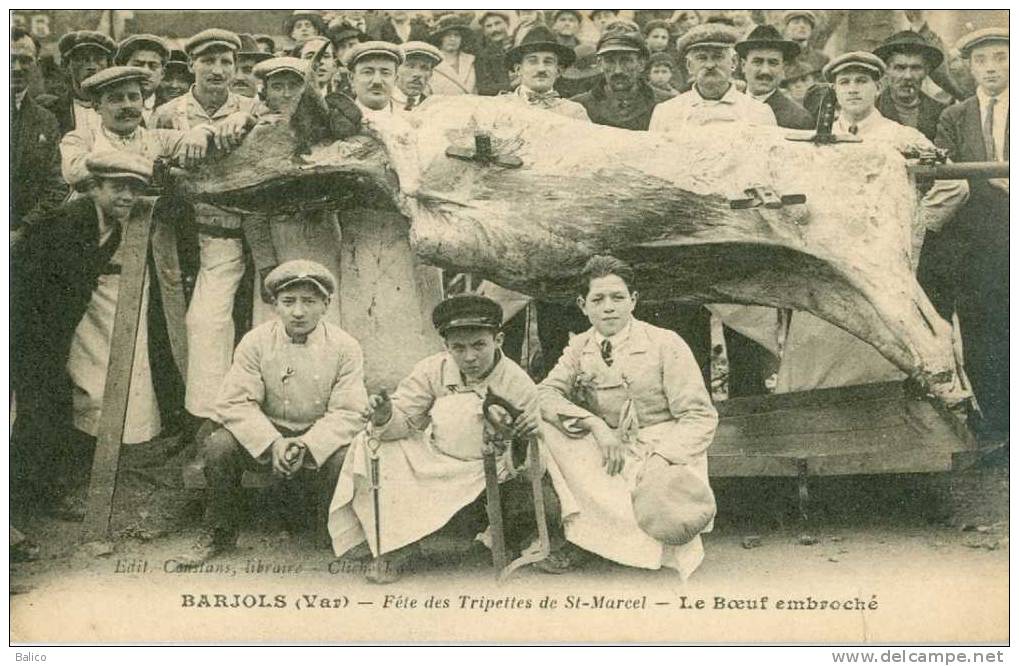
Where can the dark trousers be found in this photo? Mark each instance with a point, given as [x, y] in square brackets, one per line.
[225, 463]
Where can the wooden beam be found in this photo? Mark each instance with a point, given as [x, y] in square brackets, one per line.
[103, 482]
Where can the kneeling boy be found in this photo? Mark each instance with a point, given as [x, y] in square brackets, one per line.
[292, 401]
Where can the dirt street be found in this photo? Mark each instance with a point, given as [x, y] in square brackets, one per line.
[877, 561]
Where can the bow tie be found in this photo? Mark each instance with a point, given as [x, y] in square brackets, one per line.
[546, 99]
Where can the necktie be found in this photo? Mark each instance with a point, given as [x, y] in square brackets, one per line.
[853, 129]
[992, 152]
[606, 351]
[409, 105]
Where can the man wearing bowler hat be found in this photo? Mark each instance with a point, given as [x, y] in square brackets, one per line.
[764, 55]
[291, 403]
[430, 434]
[909, 60]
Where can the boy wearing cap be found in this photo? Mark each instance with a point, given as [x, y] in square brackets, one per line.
[291, 402]
[83, 53]
[62, 310]
[414, 75]
[117, 94]
[973, 266]
[709, 56]
[431, 432]
[212, 59]
[150, 53]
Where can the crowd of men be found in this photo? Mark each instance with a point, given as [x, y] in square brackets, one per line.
[79, 161]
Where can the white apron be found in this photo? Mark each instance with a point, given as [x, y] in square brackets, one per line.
[425, 479]
[314, 236]
[598, 511]
[90, 358]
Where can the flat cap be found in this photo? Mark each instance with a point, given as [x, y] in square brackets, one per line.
[210, 38]
[267, 68]
[707, 35]
[265, 41]
[84, 38]
[672, 504]
[373, 48]
[799, 13]
[422, 50]
[980, 38]
[910, 42]
[112, 76]
[129, 45]
[119, 164]
[297, 271]
[861, 59]
[250, 48]
[466, 311]
[177, 59]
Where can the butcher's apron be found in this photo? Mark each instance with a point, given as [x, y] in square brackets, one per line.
[598, 510]
[424, 479]
[314, 236]
[89, 360]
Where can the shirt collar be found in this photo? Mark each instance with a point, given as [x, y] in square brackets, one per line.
[617, 339]
[231, 104]
[149, 102]
[763, 98]
[316, 335]
[728, 98]
[984, 97]
[369, 112]
[869, 122]
[453, 379]
[19, 99]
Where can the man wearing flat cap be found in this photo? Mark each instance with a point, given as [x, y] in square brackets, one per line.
[177, 78]
[373, 66]
[414, 75]
[212, 57]
[799, 26]
[244, 82]
[621, 97]
[311, 234]
[490, 71]
[431, 432]
[63, 304]
[82, 54]
[909, 60]
[291, 403]
[117, 94]
[150, 53]
[764, 55]
[709, 55]
[818, 354]
[972, 266]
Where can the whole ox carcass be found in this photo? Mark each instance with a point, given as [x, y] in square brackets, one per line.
[544, 193]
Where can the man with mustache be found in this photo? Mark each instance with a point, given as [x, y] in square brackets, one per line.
[537, 61]
[975, 259]
[414, 74]
[82, 54]
[373, 67]
[245, 83]
[117, 94]
[211, 328]
[909, 60]
[764, 57]
[490, 63]
[621, 98]
[708, 50]
[35, 182]
[148, 52]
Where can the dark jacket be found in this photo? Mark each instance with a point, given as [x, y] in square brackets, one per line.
[490, 71]
[788, 113]
[35, 181]
[630, 110]
[63, 108]
[387, 33]
[930, 112]
[54, 272]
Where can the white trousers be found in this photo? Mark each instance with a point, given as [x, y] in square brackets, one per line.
[210, 322]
